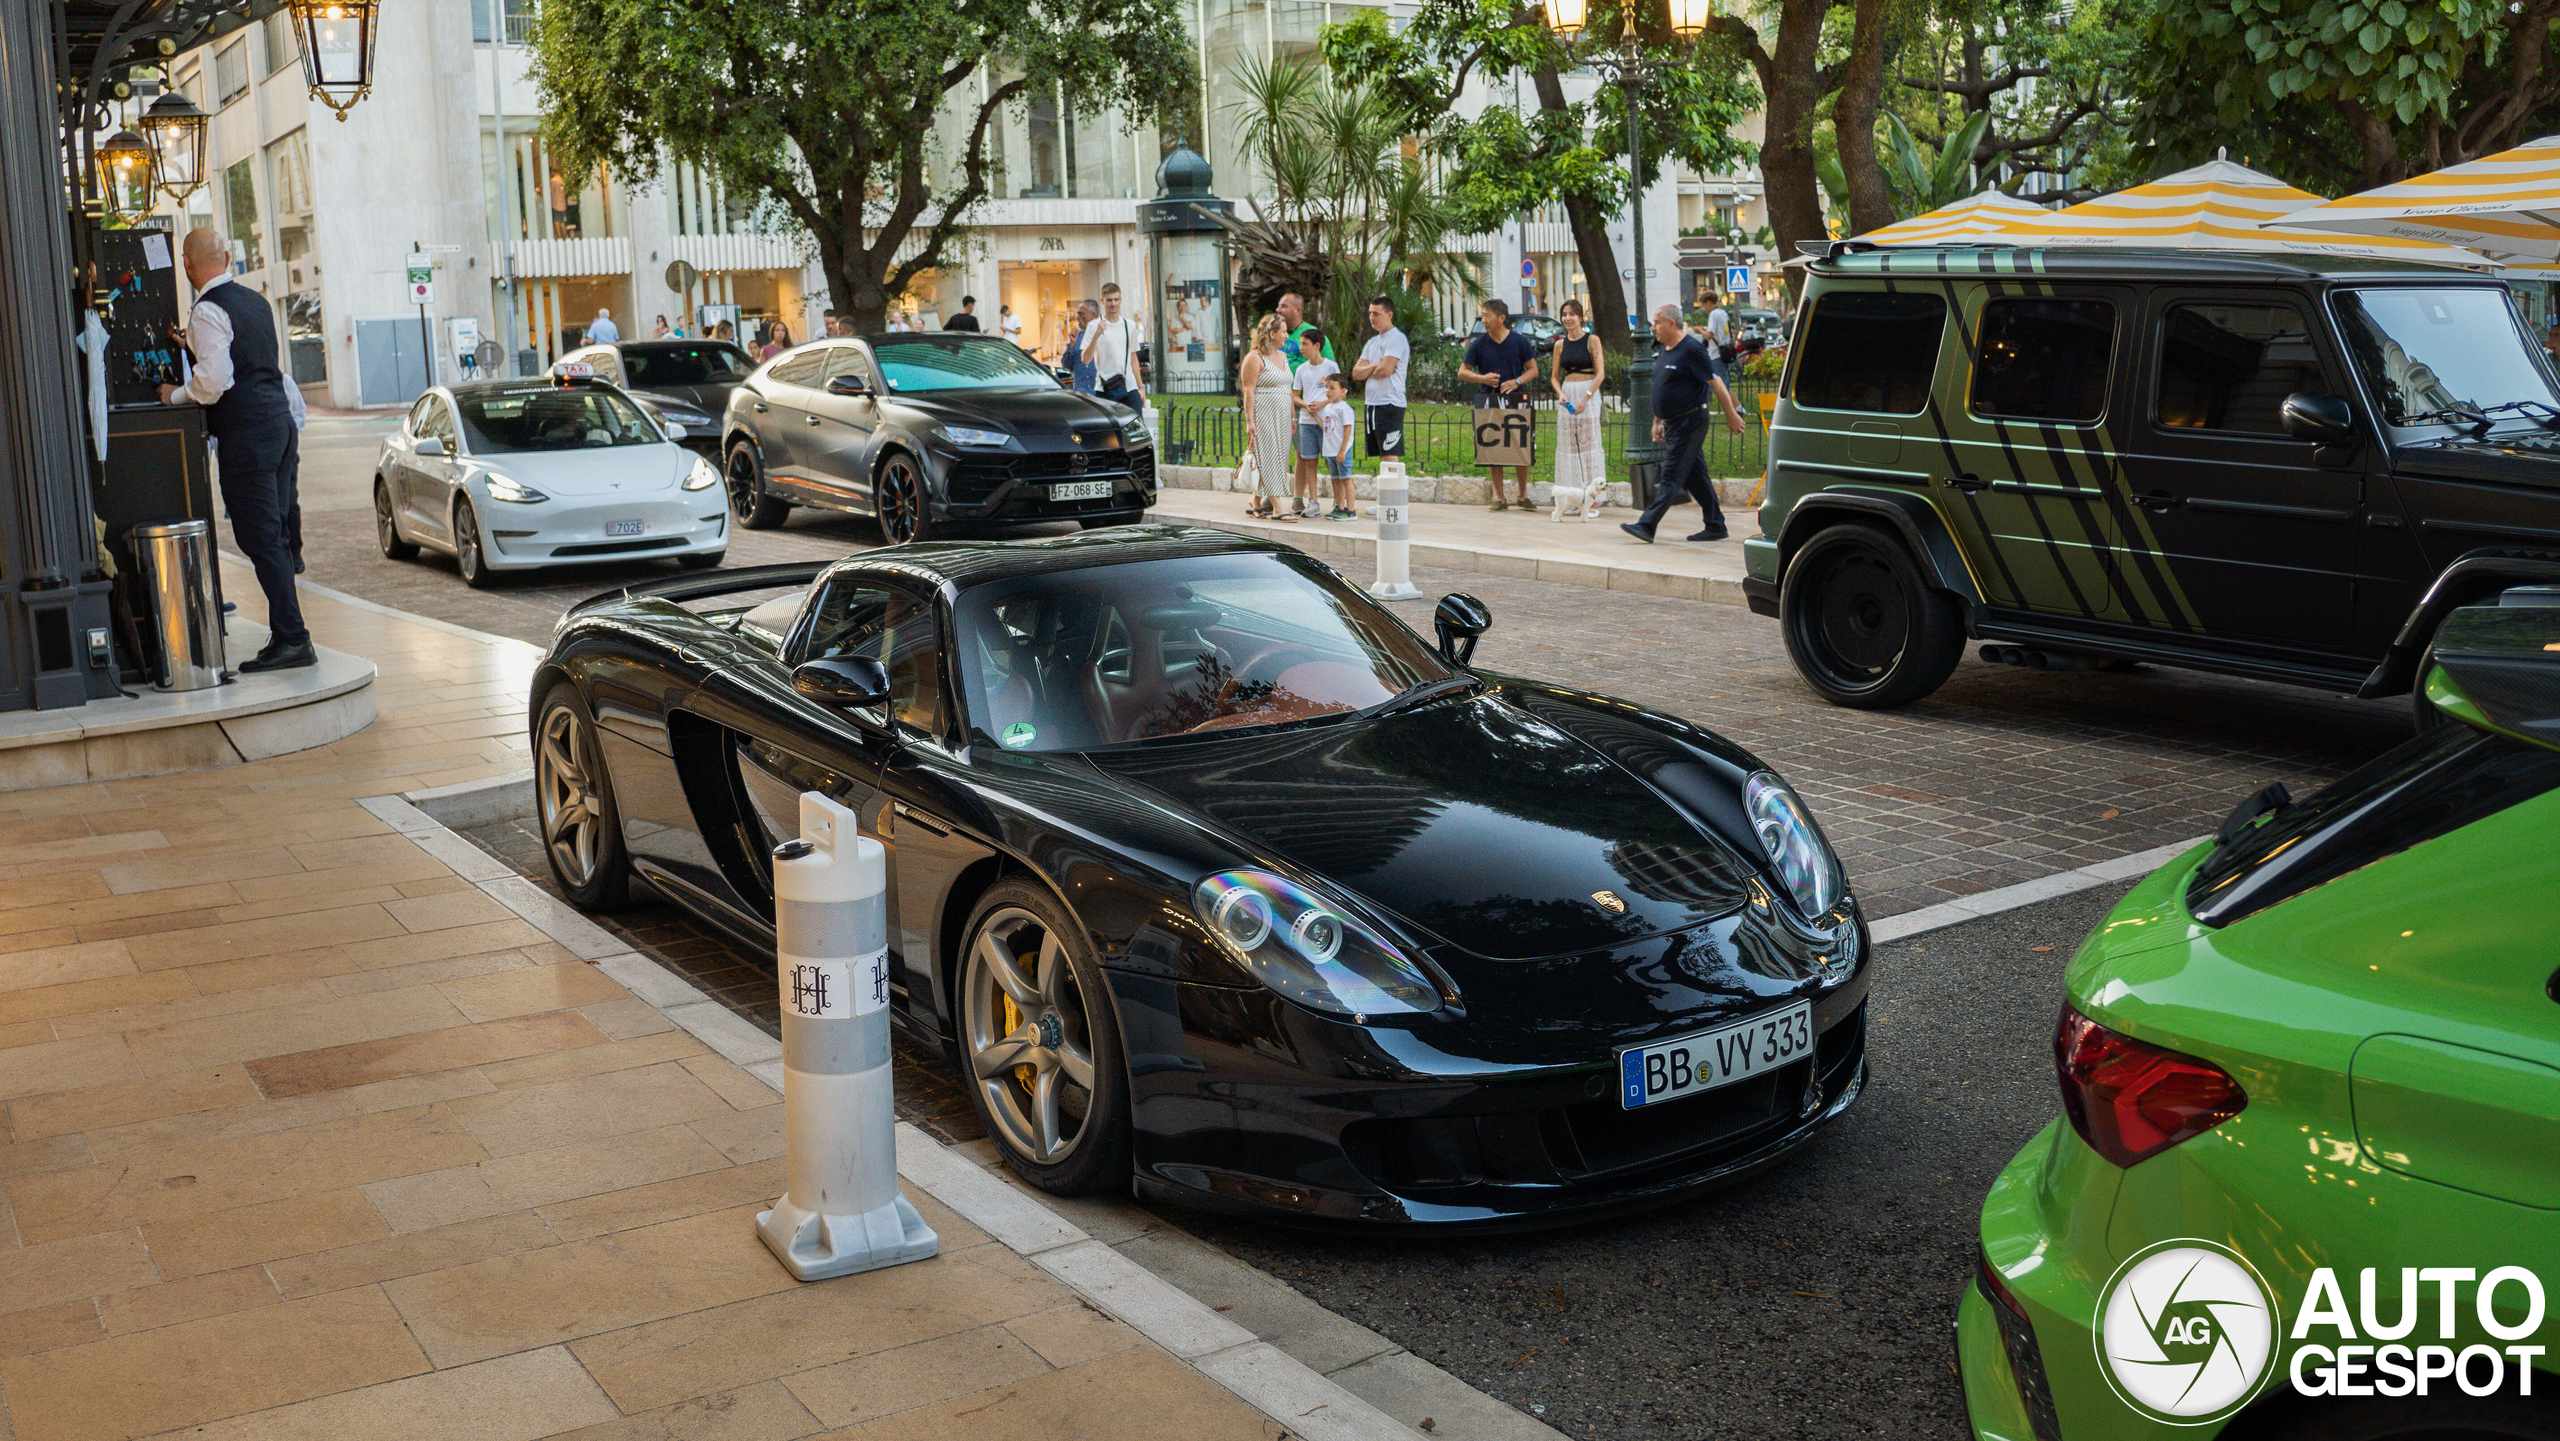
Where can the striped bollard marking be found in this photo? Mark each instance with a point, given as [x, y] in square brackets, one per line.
[841, 1211]
[1395, 534]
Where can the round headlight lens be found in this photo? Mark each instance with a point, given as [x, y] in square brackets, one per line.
[1804, 865]
[1309, 951]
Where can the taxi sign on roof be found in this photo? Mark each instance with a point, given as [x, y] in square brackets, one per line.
[569, 370]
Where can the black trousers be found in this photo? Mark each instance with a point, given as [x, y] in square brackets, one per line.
[289, 484]
[253, 493]
[1684, 467]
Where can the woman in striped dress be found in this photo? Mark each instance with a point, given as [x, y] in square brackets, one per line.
[1270, 421]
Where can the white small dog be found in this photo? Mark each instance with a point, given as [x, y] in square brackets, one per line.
[1585, 503]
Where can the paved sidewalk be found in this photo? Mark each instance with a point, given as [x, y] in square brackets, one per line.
[311, 1137]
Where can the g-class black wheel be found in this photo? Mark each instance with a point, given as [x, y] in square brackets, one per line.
[1862, 625]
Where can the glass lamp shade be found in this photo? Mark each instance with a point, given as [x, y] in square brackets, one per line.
[1567, 17]
[337, 49]
[126, 169]
[1689, 17]
[176, 129]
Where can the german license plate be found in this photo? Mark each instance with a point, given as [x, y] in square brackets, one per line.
[1081, 490]
[626, 527]
[1686, 1065]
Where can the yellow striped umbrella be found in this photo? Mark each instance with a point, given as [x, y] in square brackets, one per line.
[2506, 205]
[1970, 216]
[2218, 205]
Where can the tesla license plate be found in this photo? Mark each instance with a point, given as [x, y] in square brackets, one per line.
[1081, 490]
[1668, 1070]
[625, 527]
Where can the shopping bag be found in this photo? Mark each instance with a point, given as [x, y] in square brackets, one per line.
[1506, 435]
[1249, 474]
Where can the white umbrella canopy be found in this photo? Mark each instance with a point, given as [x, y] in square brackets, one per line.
[2506, 206]
[1973, 215]
[2219, 205]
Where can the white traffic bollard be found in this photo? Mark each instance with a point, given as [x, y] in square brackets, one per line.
[842, 1212]
[1395, 534]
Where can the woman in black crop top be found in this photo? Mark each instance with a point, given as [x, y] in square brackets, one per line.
[1578, 371]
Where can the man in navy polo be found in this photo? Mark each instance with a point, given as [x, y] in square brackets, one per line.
[1686, 375]
[236, 378]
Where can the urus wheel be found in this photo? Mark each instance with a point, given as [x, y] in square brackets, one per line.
[467, 556]
[1040, 1046]
[573, 805]
[748, 503]
[898, 496]
[1863, 627]
[386, 526]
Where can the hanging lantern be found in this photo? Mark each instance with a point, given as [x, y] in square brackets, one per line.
[337, 50]
[1567, 17]
[1689, 17]
[176, 126]
[126, 167]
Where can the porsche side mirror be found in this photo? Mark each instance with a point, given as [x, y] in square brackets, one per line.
[847, 681]
[1066, 377]
[1459, 619]
[428, 445]
[674, 431]
[848, 385]
[2316, 415]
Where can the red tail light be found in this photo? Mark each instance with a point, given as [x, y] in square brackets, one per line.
[2131, 1101]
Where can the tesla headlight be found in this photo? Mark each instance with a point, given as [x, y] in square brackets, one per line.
[703, 476]
[511, 490]
[1804, 865]
[1304, 947]
[964, 435]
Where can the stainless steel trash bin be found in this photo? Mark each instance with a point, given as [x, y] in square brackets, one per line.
[176, 559]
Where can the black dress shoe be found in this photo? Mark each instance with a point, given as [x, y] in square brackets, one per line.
[1708, 535]
[281, 657]
[229, 606]
[1639, 532]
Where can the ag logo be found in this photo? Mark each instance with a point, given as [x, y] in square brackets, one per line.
[2186, 1332]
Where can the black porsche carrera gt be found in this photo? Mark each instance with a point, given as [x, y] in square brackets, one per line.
[1212, 877]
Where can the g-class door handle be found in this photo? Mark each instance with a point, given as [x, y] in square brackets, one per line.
[1968, 483]
[2159, 502]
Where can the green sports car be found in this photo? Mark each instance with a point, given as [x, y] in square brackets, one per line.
[2307, 1179]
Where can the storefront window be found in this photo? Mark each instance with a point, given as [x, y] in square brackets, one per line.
[289, 181]
[547, 202]
[1104, 166]
[240, 214]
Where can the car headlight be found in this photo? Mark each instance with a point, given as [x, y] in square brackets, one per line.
[963, 435]
[508, 489]
[1804, 865]
[1305, 948]
[1133, 432]
[703, 477]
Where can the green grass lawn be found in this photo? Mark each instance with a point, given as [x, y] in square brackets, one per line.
[1439, 438]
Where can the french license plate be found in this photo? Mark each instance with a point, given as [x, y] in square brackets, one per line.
[626, 527]
[1668, 1070]
[1081, 490]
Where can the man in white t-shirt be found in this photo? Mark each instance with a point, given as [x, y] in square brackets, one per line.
[1720, 330]
[1111, 347]
[1381, 367]
[1009, 324]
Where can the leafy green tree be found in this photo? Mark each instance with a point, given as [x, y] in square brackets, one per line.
[2347, 94]
[826, 109]
[2050, 76]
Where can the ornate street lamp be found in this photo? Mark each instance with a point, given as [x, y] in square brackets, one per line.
[125, 168]
[1567, 18]
[1689, 18]
[176, 127]
[337, 50]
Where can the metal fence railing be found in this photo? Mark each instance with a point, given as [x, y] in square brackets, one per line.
[1439, 438]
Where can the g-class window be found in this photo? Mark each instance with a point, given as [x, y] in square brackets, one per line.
[1871, 350]
[2229, 367]
[2044, 358]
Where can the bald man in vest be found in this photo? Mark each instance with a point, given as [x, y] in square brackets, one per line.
[236, 378]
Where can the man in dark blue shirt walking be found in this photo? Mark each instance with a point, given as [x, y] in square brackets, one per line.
[1685, 375]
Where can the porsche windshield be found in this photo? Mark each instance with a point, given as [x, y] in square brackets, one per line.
[571, 418]
[1104, 656]
[913, 366]
[2455, 356]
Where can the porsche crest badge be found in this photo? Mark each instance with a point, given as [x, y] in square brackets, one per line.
[1608, 901]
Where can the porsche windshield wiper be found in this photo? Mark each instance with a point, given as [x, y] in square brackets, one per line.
[1421, 694]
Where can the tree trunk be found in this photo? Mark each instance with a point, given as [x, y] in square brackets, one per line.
[1791, 86]
[1590, 240]
[2378, 150]
[1853, 122]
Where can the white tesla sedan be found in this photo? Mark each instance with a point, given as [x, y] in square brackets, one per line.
[512, 475]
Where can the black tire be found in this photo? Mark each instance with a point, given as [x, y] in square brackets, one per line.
[386, 525]
[1072, 1010]
[899, 498]
[467, 555]
[594, 870]
[1863, 627]
[749, 505]
[2453, 1418]
[702, 560]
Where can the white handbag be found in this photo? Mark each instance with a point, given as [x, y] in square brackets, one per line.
[1248, 474]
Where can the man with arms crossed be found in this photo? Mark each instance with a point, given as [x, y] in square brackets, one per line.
[1381, 368]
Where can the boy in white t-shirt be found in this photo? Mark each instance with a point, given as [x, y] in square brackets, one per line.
[1335, 418]
[1313, 366]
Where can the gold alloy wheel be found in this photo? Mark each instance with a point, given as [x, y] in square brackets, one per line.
[565, 797]
[1029, 1048]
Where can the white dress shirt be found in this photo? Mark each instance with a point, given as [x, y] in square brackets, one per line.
[209, 342]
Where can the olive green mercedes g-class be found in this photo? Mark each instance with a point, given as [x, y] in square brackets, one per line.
[2287, 467]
